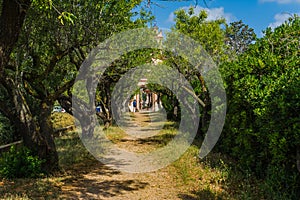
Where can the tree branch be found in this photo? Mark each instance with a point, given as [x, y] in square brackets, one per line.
[194, 95]
[11, 22]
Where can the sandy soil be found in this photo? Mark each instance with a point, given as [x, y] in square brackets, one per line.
[96, 181]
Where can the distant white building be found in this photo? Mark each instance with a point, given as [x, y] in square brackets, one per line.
[146, 99]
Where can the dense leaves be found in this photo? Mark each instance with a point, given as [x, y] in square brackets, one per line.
[208, 32]
[6, 131]
[39, 64]
[239, 36]
[19, 163]
[40, 61]
[263, 122]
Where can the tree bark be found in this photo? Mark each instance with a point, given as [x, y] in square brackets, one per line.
[11, 21]
[36, 134]
[48, 150]
[298, 157]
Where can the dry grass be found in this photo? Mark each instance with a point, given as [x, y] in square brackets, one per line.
[86, 178]
[61, 120]
[83, 177]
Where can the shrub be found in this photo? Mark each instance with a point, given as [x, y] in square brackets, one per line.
[263, 123]
[19, 163]
[61, 120]
[6, 131]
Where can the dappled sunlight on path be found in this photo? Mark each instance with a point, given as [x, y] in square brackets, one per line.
[96, 181]
[143, 124]
[84, 177]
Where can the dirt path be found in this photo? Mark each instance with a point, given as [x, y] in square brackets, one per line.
[90, 179]
[101, 182]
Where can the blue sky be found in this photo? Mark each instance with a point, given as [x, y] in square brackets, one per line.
[258, 14]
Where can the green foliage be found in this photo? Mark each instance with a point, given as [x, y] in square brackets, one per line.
[19, 162]
[55, 38]
[208, 32]
[239, 36]
[169, 102]
[6, 131]
[263, 123]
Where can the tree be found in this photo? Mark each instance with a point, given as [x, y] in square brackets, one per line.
[239, 36]
[11, 21]
[262, 125]
[209, 33]
[211, 36]
[40, 61]
[113, 74]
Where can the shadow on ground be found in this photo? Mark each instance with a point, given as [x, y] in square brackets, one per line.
[84, 181]
[201, 195]
[157, 140]
[93, 183]
[81, 177]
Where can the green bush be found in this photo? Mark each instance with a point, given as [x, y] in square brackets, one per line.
[6, 131]
[19, 163]
[263, 123]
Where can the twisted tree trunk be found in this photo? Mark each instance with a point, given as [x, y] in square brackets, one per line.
[36, 134]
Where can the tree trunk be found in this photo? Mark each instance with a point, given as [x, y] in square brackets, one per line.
[205, 111]
[106, 118]
[88, 125]
[298, 158]
[49, 149]
[66, 103]
[36, 136]
[11, 21]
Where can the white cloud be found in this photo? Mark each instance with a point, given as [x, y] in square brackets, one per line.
[280, 18]
[280, 1]
[213, 14]
[171, 17]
